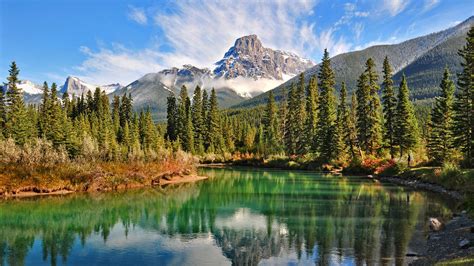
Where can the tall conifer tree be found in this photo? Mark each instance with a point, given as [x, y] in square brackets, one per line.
[327, 127]
[440, 140]
[406, 127]
[464, 103]
[389, 106]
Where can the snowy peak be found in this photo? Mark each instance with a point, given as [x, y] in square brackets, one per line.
[30, 87]
[248, 58]
[77, 87]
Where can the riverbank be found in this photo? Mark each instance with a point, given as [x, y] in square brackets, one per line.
[452, 245]
[23, 180]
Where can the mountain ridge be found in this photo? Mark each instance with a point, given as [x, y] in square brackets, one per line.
[349, 66]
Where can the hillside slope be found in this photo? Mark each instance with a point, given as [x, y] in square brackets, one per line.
[421, 59]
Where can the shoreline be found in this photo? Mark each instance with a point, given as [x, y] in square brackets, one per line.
[33, 191]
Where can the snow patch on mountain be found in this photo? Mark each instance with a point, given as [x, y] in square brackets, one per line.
[30, 87]
[78, 87]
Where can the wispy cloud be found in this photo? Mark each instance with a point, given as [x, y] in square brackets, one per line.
[430, 4]
[138, 15]
[200, 32]
[394, 7]
[117, 64]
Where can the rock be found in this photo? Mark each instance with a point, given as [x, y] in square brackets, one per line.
[464, 243]
[436, 225]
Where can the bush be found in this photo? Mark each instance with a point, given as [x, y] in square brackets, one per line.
[391, 168]
[452, 176]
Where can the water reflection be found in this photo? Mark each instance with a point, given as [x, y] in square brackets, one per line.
[240, 216]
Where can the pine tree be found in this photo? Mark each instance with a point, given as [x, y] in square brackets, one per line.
[45, 111]
[310, 129]
[55, 133]
[327, 127]
[215, 136]
[292, 124]
[172, 119]
[3, 113]
[301, 115]
[270, 123]
[343, 121]
[205, 111]
[406, 127]
[389, 106]
[374, 137]
[351, 129]
[464, 103]
[185, 130]
[198, 120]
[17, 123]
[440, 138]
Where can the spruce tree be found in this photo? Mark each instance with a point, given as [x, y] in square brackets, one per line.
[3, 113]
[270, 126]
[205, 111]
[45, 111]
[464, 103]
[440, 140]
[406, 127]
[352, 129]
[215, 136]
[389, 107]
[17, 123]
[171, 118]
[198, 120]
[301, 115]
[311, 115]
[55, 133]
[292, 124]
[374, 136]
[327, 127]
[343, 121]
[184, 126]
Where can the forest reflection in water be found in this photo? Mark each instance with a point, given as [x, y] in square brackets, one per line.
[239, 216]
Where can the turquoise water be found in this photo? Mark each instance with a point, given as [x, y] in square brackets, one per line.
[239, 216]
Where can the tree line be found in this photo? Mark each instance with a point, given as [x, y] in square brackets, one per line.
[87, 126]
[378, 120]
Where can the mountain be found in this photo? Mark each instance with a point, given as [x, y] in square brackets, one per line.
[422, 59]
[150, 91]
[248, 58]
[246, 70]
[77, 87]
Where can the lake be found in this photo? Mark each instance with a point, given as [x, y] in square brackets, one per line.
[239, 216]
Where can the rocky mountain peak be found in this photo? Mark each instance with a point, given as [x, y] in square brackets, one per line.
[248, 58]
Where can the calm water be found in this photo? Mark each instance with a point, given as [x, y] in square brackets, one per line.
[239, 216]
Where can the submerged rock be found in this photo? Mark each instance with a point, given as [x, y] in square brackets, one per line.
[436, 225]
[465, 243]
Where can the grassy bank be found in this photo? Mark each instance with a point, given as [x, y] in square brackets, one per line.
[39, 168]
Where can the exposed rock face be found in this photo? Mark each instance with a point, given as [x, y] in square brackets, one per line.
[248, 58]
[77, 87]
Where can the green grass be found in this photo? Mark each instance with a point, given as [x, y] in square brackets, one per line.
[460, 261]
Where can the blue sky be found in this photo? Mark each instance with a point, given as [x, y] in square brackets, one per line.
[108, 41]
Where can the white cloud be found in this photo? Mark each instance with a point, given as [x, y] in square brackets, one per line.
[138, 15]
[430, 4]
[117, 64]
[394, 7]
[200, 32]
[358, 29]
